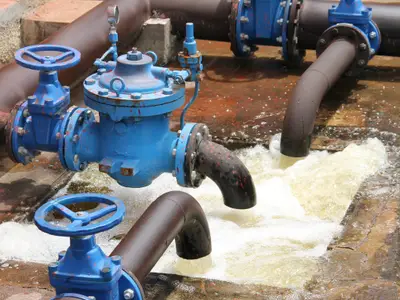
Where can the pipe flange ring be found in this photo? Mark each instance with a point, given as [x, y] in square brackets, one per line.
[16, 119]
[78, 122]
[199, 133]
[351, 33]
[295, 56]
[238, 47]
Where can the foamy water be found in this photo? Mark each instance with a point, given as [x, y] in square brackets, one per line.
[276, 243]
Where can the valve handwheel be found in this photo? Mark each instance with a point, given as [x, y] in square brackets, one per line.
[68, 58]
[81, 222]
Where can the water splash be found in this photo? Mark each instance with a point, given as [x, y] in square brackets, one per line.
[276, 243]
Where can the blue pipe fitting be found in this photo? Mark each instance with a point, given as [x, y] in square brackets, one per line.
[258, 23]
[126, 125]
[356, 13]
[270, 23]
[84, 271]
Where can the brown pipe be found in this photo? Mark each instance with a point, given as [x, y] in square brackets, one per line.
[313, 21]
[307, 96]
[174, 215]
[88, 34]
[229, 173]
[210, 17]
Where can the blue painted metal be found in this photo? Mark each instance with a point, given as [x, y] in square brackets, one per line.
[181, 146]
[69, 296]
[84, 270]
[68, 58]
[37, 121]
[80, 222]
[131, 139]
[356, 13]
[113, 20]
[260, 22]
[192, 59]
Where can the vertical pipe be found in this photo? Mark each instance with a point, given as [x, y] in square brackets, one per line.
[307, 96]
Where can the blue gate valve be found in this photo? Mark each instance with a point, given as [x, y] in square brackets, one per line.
[129, 134]
[37, 120]
[354, 12]
[84, 271]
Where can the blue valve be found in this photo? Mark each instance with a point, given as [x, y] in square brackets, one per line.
[84, 271]
[68, 58]
[81, 221]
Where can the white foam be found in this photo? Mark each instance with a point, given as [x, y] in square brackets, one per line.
[277, 242]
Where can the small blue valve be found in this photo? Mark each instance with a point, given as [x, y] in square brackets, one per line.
[84, 272]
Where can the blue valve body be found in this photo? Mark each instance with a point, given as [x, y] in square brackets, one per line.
[356, 13]
[130, 137]
[84, 270]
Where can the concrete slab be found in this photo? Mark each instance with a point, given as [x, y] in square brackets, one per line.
[50, 17]
[9, 10]
[156, 36]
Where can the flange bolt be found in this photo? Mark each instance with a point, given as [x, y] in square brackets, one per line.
[116, 259]
[53, 267]
[372, 35]
[61, 255]
[106, 273]
[167, 91]
[129, 294]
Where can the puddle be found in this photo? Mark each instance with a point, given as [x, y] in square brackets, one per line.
[277, 243]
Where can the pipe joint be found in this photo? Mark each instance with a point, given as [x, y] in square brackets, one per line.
[353, 35]
[354, 12]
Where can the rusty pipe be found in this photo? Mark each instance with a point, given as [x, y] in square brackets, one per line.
[174, 215]
[88, 34]
[229, 173]
[307, 96]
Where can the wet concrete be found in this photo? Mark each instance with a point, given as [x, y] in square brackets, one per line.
[243, 102]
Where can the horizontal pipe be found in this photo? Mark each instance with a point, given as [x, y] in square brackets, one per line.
[210, 17]
[229, 173]
[88, 34]
[174, 215]
[313, 21]
[211, 20]
[306, 97]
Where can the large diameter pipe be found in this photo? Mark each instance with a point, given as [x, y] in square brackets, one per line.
[88, 34]
[307, 96]
[229, 173]
[313, 21]
[210, 17]
[174, 215]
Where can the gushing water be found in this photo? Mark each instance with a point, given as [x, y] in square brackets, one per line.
[276, 243]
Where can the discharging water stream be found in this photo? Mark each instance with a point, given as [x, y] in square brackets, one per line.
[277, 243]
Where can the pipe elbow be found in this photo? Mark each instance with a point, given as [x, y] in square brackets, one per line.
[174, 215]
[229, 173]
[194, 240]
